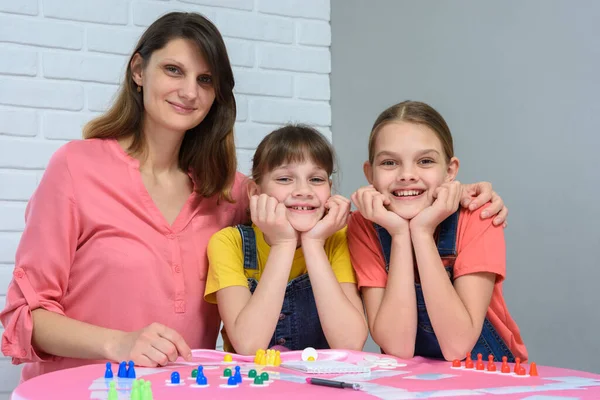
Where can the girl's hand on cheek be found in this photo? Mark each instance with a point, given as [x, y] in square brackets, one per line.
[270, 216]
[372, 205]
[447, 200]
[338, 209]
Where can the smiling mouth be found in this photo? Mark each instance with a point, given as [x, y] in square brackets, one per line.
[407, 194]
[302, 208]
[182, 108]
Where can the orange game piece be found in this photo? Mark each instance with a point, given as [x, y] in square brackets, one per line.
[517, 365]
[469, 361]
[479, 366]
[456, 363]
[505, 369]
[533, 369]
[522, 371]
[491, 366]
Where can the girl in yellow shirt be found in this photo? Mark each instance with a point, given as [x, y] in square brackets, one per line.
[287, 280]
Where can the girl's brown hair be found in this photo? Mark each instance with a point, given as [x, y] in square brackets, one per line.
[207, 150]
[417, 113]
[292, 143]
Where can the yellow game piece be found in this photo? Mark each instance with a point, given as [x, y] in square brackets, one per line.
[277, 362]
[263, 359]
[271, 358]
[228, 358]
[310, 358]
[258, 355]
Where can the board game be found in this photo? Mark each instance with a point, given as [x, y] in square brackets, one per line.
[366, 376]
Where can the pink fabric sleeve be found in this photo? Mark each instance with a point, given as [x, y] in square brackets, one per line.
[43, 260]
[480, 245]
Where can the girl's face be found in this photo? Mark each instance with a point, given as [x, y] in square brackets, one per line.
[409, 164]
[177, 86]
[303, 187]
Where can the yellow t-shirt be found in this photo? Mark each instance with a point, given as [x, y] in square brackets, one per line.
[226, 260]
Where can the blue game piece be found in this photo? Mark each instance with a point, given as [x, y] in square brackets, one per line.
[201, 380]
[200, 369]
[175, 378]
[122, 370]
[108, 373]
[131, 370]
[232, 381]
[238, 375]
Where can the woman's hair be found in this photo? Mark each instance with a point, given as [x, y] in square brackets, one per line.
[207, 150]
[417, 113]
[292, 143]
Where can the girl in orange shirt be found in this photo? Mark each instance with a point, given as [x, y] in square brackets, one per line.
[430, 273]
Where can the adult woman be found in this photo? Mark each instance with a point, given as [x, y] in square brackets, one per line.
[112, 262]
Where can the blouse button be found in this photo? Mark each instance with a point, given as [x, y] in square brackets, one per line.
[281, 341]
[19, 273]
[23, 353]
[170, 236]
[177, 269]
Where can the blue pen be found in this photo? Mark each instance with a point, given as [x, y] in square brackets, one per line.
[334, 384]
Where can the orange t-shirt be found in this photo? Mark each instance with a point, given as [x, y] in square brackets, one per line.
[480, 248]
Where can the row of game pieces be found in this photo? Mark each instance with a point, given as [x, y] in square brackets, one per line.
[271, 358]
[491, 366]
[140, 390]
[126, 370]
[233, 379]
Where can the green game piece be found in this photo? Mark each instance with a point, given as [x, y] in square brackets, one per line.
[227, 372]
[135, 390]
[194, 373]
[258, 380]
[252, 373]
[112, 391]
[147, 391]
[264, 376]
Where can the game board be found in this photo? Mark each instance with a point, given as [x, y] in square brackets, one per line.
[388, 378]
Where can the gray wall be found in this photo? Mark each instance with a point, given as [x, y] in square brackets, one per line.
[518, 82]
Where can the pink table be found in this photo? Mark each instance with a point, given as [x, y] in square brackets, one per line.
[418, 378]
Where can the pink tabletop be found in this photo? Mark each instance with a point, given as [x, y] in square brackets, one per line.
[417, 378]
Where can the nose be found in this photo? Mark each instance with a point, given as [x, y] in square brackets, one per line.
[302, 189]
[189, 89]
[407, 174]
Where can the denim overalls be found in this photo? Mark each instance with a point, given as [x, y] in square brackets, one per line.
[299, 325]
[426, 343]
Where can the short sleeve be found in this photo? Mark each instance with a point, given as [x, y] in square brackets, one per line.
[365, 252]
[225, 263]
[43, 259]
[480, 246]
[339, 257]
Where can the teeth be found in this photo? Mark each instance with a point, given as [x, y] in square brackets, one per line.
[302, 208]
[406, 193]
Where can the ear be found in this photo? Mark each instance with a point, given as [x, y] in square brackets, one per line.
[137, 69]
[368, 170]
[253, 188]
[452, 169]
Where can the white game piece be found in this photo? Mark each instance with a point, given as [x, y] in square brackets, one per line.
[199, 386]
[371, 358]
[226, 386]
[308, 353]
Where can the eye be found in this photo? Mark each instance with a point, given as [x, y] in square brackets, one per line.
[388, 163]
[172, 69]
[426, 161]
[283, 179]
[318, 180]
[205, 79]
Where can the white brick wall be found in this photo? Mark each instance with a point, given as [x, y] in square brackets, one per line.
[61, 62]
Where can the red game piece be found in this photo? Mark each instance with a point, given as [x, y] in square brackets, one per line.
[469, 361]
[517, 365]
[491, 367]
[505, 369]
[479, 366]
[533, 369]
[522, 371]
[456, 363]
